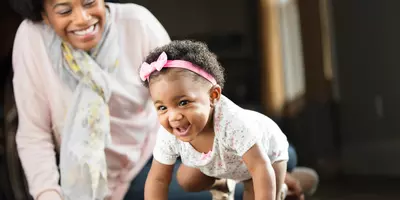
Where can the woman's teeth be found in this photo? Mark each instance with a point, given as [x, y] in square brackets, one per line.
[86, 31]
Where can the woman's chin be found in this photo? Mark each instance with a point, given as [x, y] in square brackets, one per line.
[85, 46]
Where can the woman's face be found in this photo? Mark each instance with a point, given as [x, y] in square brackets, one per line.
[78, 22]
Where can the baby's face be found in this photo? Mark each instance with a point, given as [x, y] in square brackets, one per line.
[183, 105]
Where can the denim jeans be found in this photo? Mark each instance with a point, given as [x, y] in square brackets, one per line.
[136, 190]
[292, 162]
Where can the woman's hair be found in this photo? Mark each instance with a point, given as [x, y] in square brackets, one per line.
[28, 9]
[32, 9]
[191, 51]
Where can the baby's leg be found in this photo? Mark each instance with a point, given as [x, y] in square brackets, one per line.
[193, 180]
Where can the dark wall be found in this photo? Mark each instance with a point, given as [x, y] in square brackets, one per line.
[230, 30]
[367, 44]
[312, 130]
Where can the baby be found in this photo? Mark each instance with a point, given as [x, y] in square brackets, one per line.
[216, 139]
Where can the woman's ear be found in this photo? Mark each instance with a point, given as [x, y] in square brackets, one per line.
[215, 94]
[45, 18]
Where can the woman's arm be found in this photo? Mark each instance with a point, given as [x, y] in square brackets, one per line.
[261, 172]
[34, 139]
[158, 181]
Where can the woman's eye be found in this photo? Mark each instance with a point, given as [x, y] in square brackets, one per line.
[89, 2]
[161, 108]
[184, 102]
[64, 12]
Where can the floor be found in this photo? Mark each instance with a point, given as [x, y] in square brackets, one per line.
[359, 188]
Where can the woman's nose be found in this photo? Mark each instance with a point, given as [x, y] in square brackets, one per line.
[82, 16]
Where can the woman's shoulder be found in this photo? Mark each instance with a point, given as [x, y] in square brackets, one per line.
[33, 35]
[29, 36]
[31, 29]
[129, 11]
[137, 25]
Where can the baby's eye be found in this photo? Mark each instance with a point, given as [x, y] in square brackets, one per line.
[184, 102]
[161, 108]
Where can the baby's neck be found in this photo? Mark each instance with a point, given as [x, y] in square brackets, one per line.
[204, 142]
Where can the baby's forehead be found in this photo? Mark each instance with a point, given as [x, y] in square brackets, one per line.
[170, 88]
[175, 81]
[177, 72]
[173, 74]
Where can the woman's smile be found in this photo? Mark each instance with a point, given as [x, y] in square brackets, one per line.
[86, 34]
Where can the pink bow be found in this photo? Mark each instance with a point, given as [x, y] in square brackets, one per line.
[146, 69]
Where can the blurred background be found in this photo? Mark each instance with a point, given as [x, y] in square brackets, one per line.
[325, 70]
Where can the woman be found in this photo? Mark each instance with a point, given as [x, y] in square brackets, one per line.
[78, 94]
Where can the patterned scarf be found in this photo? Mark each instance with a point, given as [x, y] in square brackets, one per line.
[86, 131]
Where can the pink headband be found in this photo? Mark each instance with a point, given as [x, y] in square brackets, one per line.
[147, 69]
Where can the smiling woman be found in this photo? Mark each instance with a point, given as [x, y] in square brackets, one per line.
[78, 95]
[80, 23]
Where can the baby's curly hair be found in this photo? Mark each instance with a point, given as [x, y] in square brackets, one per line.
[192, 51]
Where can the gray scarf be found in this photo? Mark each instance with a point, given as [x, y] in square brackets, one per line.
[86, 131]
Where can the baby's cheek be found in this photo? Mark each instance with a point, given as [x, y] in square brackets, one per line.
[201, 117]
[164, 122]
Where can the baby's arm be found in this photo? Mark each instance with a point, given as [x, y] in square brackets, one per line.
[158, 181]
[262, 173]
[280, 174]
[165, 154]
[265, 155]
[278, 154]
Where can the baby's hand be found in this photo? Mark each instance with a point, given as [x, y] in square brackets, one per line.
[294, 189]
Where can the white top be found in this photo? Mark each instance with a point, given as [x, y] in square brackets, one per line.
[43, 100]
[236, 131]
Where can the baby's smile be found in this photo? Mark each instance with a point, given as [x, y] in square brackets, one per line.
[182, 131]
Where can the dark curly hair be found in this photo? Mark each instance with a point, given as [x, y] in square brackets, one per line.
[28, 9]
[191, 51]
[32, 9]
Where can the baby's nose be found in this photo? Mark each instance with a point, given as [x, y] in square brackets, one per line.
[175, 116]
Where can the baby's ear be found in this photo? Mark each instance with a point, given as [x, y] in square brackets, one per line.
[215, 94]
